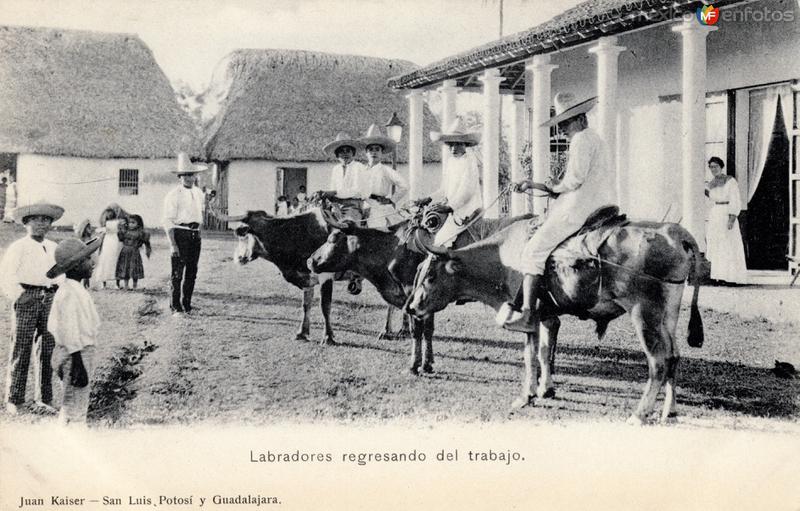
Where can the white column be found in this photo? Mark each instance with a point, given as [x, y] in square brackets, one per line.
[607, 52]
[414, 144]
[490, 141]
[540, 135]
[693, 126]
[519, 126]
[449, 94]
[528, 129]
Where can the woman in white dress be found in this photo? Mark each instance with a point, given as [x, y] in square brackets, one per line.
[384, 186]
[106, 268]
[724, 249]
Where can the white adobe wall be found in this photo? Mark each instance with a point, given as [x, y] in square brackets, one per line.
[739, 55]
[84, 186]
[252, 183]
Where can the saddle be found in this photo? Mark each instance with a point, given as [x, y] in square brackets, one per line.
[597, 228]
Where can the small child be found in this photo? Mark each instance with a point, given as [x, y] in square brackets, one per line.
[282, 207]
[129, 263]
[74, 324]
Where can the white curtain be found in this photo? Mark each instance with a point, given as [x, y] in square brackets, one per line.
[763, 110]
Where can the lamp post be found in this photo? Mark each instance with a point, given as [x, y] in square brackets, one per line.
[394, 128]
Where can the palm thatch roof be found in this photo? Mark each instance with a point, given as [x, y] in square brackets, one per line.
[585, 22]
[284, 105]
[87, 94]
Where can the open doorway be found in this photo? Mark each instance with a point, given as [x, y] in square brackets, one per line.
[767, 235]
[290, 180]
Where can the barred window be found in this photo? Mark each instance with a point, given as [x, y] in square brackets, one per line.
[129, 181]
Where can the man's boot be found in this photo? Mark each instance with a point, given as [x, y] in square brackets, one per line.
[522, 318]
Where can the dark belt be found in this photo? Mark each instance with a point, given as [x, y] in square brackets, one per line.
[43, 289]
[193, 225]
[722, 203]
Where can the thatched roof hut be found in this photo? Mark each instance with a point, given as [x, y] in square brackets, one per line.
[284, 105]
[87, 94]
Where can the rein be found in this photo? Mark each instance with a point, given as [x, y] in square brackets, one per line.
[480, 215]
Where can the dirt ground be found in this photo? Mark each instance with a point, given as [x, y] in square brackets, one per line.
[236, 361]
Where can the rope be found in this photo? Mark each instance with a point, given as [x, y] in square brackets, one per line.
[82, 182]
[505, 191]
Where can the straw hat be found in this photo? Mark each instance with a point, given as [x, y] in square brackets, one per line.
[70, 252]
[185, 166]
[39, 208]
[342, 139]
[375, 137]
[456, 132]
[567, 108]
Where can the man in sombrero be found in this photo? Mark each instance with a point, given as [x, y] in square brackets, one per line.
[348, 180]
[183, 218]
[24, 280]
[587, 184]
[385, 186]
[461, 181]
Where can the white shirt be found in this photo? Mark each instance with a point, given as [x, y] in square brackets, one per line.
[380, 179]
[183, 206]
[26, 262]
[461, 185]
[282, 209]
[349, 183]
[587, 182]
[73, 320]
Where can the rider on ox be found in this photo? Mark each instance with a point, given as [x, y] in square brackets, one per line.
[347, 185]
[384, 185]
[461, 186]
[347, 176]
[587, 184]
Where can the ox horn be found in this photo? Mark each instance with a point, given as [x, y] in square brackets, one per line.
[332, 221]
[222, 217]
[430, 247]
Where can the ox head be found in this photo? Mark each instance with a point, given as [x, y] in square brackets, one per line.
[340, 250]
[248, 247]
[437, 281]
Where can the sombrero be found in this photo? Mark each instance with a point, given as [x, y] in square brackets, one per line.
[456, 132]
[71, 252]
[185, 166]
[39, 208]
[342, 139]
[375, 137]
[567, 108]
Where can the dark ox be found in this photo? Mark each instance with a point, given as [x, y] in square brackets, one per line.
[380, 258]
[288, 243]
[640, 268]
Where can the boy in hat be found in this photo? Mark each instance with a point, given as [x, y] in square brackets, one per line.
[385, 186]
[461, 181]
[587, 184]
[183, 216]
[347, 177]
[74, 324]
[24, 280]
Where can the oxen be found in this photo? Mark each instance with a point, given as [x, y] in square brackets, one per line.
[635, 267]
[288, 243]
[381, 258]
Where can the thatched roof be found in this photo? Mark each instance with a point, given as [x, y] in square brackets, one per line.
[87, 94]
[585, 22]
[284, 105]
